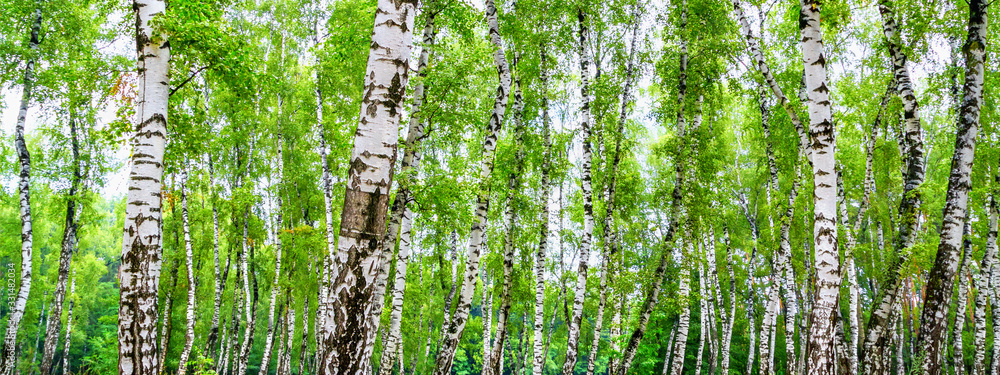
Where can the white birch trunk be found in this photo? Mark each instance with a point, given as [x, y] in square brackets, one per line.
[69, 327]
[730, 322]
[446, 356]
[393, 343]
[823, 144]
[961, 304]
[933, 322]
[670, 350]
[213, 335]
[586, 243]
[684, 324]
[487, 311]
[324, 320]
[350, 343]
[702, 320]
[65, 257]
[538, 361]
[192, 288]
[8, 359]
[269, 340]
[142, 249]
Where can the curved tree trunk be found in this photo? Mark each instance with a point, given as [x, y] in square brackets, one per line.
[142, 249]
[219, 283]
[446, 356]
[933, 322]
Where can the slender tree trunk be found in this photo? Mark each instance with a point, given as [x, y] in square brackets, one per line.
[38, 333]
[702, 321]
[761, 64]
[446, 315]
[983, 285]
[961, 305]
[400, 210]
[65, 257]
[351, 341]
[219, 283]
[304, 347]
[730, 322]
[393, 344]
[513, 188]
[767, 325]
[8, 360]
[876, 352]
[142, 249]
[991, 244]
[683, 325]
[933, 320]
[670, 350]
[446, 356]
[166, 321]
[192, 288]
[538, 361]
[269, 340]
[487, 311]
[324, 314]
[586, 243]
[69, 327]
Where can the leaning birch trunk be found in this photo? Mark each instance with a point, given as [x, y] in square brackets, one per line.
[487, 312]
[876, 353]
[142, 249]
[513, 187]
[586, 243]
[670, 350]
[401, 215]
[8, 359]
[65, 257]
[213, 334]
[675, 216]
[611, 234]
[821, 136]
[933, 322]
[269, 340]
[543, 237]
[961, 304]
[69, 326]
[362, 225]
[761, 65]
[394, 341]
[189, 259]
[446, 356]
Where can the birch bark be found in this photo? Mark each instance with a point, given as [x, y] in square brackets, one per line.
[269, 340]
[8, 359]
[543, 237]
[933, 320]
[823, 143]
[65, 257]
[142, 249]
[362, 223]
[69, 327]
[446, 356]
[586, 243]
[189, 259]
